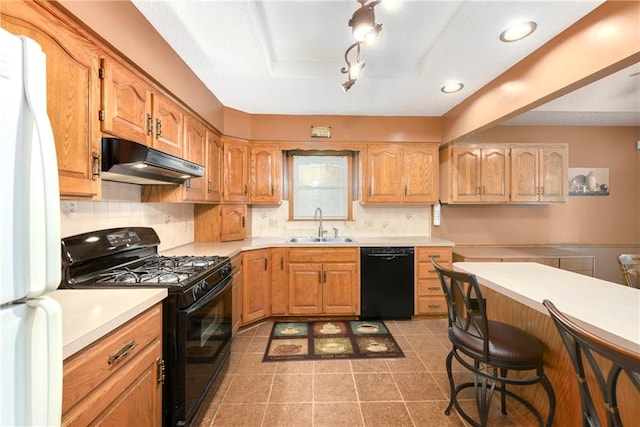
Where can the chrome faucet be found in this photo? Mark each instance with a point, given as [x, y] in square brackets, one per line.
[318, 215]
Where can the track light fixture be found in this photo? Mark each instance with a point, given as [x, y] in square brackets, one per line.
[363, 22]
[365, 30]
[353, 69]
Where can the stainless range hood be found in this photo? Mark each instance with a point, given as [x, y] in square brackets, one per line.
[134, 163]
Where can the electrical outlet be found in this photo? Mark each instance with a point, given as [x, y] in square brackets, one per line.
[273, 222]
[368, 223]
[68, 209]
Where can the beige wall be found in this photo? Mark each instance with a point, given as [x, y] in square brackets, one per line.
[608, 220]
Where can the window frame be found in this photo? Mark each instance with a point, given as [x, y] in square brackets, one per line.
[351, 164]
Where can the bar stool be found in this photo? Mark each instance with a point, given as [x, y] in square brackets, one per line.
[582, 346]
[630, 267]
[489, 350]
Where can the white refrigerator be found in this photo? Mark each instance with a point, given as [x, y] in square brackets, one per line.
[30, 266]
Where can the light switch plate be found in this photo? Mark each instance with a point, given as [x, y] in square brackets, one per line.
[637, 145]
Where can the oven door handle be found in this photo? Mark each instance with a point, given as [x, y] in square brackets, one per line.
[210, 296]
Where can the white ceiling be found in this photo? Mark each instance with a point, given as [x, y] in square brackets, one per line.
[285, 56]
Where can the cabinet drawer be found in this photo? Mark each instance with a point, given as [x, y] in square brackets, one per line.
[577, 264]
[323, 255]
[429, 287]
[426, 270]
[87, 369]
[236, 264]
[440, 254]
[431, 305]
[552, 262]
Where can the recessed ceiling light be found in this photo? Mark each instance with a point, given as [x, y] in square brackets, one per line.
[452, 87]
[518, 31]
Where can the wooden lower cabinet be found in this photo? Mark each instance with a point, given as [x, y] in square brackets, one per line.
[118, 379]
[429, 297]
[324, 281]
[236, 293]
[279, 291]
[558, 258]
[255, 285]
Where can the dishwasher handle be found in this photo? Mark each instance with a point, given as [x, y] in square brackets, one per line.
[388, 255]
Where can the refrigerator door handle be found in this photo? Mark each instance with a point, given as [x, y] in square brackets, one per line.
[43, 152]
[53, 355]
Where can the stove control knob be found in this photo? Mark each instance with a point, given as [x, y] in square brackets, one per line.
[199, 289]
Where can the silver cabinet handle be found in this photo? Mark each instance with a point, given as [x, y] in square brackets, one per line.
[126, 349]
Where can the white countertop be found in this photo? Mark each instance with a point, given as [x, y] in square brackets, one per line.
[606, 308]
[89, 314]
[232, 248]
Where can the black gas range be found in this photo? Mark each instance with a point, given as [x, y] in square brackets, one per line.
[196, 313]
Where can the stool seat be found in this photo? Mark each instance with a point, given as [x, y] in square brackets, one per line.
[507, 344]
[489, 350]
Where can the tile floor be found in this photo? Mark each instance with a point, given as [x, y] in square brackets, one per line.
[410, 391]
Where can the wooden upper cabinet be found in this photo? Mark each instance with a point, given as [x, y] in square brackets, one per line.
[233, 222]
[504, 173]
[132, 109]
[125, 109]
[73, 93]
[266, 175]
[400, 173]
[195, 150]
[214, 167]
[479, 174]
[382, 172]
[539, 174]
[169, 124]
[420, 173]
[235, 183]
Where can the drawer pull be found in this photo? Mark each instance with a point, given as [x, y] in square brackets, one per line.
[434, 305]
[434, 256]
[432, 271]
[434, 288]
[126, 349]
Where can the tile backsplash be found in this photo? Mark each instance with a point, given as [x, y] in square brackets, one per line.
[369, 221]
[121, 206]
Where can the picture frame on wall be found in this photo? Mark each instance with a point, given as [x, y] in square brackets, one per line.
[589, 182]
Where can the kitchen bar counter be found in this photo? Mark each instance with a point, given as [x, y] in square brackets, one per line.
[89, 314]
[232, 248]
[514, 294]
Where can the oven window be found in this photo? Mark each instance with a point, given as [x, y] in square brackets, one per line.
[208, 338]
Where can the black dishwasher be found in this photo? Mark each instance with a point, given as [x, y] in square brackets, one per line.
[386, 282]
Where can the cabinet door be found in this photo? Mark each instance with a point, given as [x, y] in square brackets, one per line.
[305, 288]
[232, 222]
[195, 150]
[169, 124]
[339, 288]
[235, 170]
[420, 172]
[466, 166]
[73, 94]
[236, 293]
[255, 285]
[525, 185]
[214, 167]
[495, 175]
[279, 289]
[554, 174]
[382, 174]
[125, 103]
[266, 175]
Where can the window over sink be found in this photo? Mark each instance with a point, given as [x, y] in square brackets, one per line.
[320, 179]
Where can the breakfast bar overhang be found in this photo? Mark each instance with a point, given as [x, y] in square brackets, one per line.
[514, 292]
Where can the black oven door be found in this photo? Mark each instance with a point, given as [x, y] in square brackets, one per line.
[204, 345]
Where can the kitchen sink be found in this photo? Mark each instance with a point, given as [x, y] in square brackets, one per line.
[304, 239]
[319, 240]
[337, 239]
